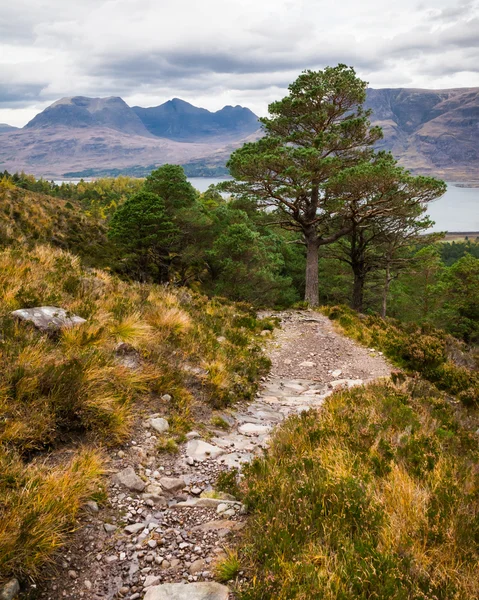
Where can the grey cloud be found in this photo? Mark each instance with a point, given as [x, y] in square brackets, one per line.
[19, 94]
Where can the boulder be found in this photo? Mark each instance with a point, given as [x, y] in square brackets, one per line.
[189, 591]
[129, 479]
[48, 318]
[10, 590]
[160, 425]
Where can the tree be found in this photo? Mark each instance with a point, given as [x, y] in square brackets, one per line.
[170, 183]
[311, 134]
[384, 206]
[146, 235]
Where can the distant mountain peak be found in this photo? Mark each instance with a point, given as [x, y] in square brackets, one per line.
[181, 121]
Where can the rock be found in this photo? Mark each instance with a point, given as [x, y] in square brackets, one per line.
[10, 590]
[307, 363]
[109, 528]
[189, 591]
[151, 580]
[92, 506]
[127, 355]
[336, 373]
[265, 332]
[129, 479]
[88, 584]
[160, 425]
[197, 566]
[172, 484]
[166, 398]
[48, 318]
[345, 383]
[254, 429]
[208, 502]
[72, 574]
[200, 450]
[135, 528]
[221, 508]
[196, 491]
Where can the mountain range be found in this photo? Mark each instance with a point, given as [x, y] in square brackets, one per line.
[430, 131]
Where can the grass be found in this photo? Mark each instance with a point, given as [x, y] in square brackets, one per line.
[75, 385]
[433, 354]
[376, 496]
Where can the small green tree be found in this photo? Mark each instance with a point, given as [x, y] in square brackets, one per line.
[145, 235]
[170, 183]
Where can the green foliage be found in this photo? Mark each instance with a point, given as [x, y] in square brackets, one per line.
[228, 482]
[170, 183]
[373, 496]
[147, 236]
[421, 349]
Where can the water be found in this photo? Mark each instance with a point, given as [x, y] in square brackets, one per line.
[457, 210]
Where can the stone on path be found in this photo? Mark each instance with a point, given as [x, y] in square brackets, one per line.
[172, 484]
[135, 528]
[160, 425]
[48, 318]
[200, 450]
[190, 591]
[129, 479]
[345, 382]
[254, 429]
[234, 460]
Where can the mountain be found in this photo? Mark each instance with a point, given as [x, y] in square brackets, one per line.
[433, 132]
[430, 131]
[178, 120]
[81, 112]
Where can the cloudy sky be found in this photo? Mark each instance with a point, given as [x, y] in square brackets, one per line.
[218, 52]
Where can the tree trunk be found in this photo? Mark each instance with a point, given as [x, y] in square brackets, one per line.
[311, 295]
[358, 290]
[387, 283]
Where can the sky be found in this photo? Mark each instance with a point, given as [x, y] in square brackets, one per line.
[218, 52]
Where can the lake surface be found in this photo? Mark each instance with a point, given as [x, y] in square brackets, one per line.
[456, 211]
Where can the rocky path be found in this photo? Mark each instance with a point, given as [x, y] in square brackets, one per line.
[164, 526]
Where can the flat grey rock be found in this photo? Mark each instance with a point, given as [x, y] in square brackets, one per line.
[48, 318]
[129, 479]
[345, 383]
[235, 459]
[200, 450]
[135, 528]
[253, 429]
[189, 591]
[172, 484]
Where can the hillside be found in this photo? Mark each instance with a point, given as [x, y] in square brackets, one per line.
[430, 131]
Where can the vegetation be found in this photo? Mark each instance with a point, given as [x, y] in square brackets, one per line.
[374, 496]
[55, 388]
[429, 352]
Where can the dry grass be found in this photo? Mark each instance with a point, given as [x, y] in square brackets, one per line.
[376, 496]
[75, 385]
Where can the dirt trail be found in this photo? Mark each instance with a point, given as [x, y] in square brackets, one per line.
[160, 525]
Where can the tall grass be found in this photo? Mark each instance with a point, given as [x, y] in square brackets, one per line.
[375, 496]
[55, 388]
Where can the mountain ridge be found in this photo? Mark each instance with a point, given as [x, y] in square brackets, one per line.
[434, 132]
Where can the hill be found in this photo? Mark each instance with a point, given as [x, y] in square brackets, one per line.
[430, 131]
